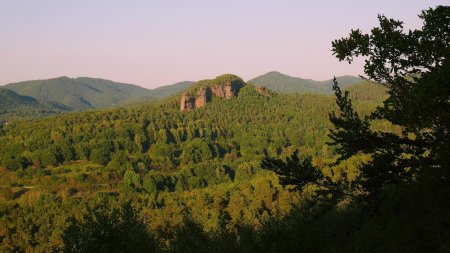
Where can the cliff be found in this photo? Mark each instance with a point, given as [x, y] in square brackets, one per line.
[187, 102]
[225, 86]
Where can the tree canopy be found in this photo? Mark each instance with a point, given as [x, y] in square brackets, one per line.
[408, 169]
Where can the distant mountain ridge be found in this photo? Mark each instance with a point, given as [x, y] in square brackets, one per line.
[169, 90]
[13, 105]
[79, 93]
[159, 93]
[84, 93]
[283, 83]
[37, 98]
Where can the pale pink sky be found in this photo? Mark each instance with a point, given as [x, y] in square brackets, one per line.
[154, 43]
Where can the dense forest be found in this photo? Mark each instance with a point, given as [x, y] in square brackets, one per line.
[170, 165]
[364, 170]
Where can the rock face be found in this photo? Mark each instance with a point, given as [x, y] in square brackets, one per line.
[204, 95]
[262, 91]
[187, 102]
[225, 89]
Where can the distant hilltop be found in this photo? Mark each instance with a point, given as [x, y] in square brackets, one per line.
[38, 98]
[225, 86]
[283, 83]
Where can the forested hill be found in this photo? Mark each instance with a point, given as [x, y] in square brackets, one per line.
[172, 165]
[169, 90]
[38, 98]
[13, 105]
[365, 91]
[282, 83]
[34, 99]
[79, 93]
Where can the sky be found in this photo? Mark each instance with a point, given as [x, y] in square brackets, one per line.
[159, 42]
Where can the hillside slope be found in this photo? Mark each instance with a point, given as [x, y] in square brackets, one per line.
[169, 90]
[13, 105]
[282, 83]
[79, 93]
[204, 163]
[365, 90]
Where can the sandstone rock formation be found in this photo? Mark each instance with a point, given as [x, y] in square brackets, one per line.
[226, 91]
[218, 87]
[204, 95]
[187, 102]
[262, 91]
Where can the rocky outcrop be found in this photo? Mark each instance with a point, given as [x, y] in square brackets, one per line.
[262, 91]
[226, 89]
[204, 95]
[187, 102]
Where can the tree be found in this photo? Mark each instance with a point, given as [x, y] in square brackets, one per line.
[108, 228]
[415, 68]
[66, 152]
[15, 163]
[119, 161]
[400, 196]
[150, 184]
[100, 156]
[47, 157]
[245, 171]
[132, 179]
[6, 192]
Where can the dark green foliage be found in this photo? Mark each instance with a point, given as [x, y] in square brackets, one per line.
[401, 194]
[100, 156]
[351, 132]
[108, 228]
[119, 161]
[416, 71]
[46, 157]
[417, 153]
[15, 163]
[293, 171]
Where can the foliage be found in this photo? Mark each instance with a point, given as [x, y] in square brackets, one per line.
[412, 66]
[396, 190]
[108, 228]
[152, 178]
[367, 91]
[172, 167]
